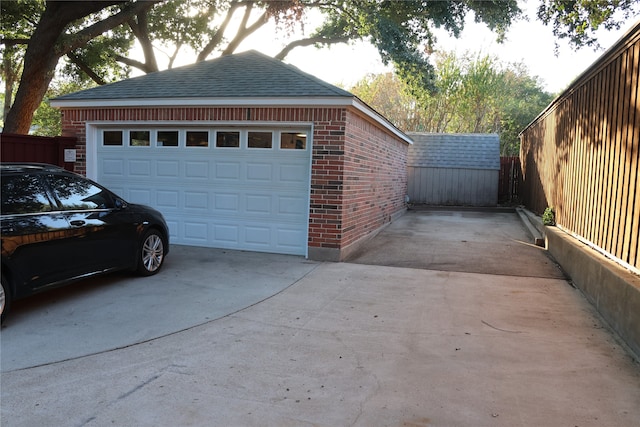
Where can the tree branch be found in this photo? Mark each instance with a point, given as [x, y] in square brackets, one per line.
[132, 63]
[217, 37]
[140, 30]
[244, 31]
[308, 42]
[82, 37]
[84, 67]
[13, 42]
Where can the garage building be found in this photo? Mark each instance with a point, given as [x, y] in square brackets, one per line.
[244, 152]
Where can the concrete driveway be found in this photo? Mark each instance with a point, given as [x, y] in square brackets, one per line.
[338, 344]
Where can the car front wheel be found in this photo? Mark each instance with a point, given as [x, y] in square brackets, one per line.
[151, 254]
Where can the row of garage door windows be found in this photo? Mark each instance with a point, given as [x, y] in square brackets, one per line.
[201, 138]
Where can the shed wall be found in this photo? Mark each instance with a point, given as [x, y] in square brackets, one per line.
[454, 169]
[453, 186]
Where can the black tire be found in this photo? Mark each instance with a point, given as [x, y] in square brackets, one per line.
[5, 299]
[151, 253]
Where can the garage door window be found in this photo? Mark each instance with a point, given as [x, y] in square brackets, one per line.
[293, 141]
[260, 140]
[167, 138]
[112, 137]
[228, 139]
[197, 139]
[139, 138]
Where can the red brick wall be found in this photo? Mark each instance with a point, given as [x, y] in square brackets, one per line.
[375, 177]
[325, 216]
[358, 177]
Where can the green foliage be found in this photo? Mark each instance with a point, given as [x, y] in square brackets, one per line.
[549, 216]
[473, 94]
[577, 20]
[402, 30]
[47, 120]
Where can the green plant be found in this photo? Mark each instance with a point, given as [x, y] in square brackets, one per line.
[549, 216]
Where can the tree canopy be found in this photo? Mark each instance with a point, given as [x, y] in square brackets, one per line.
[473, 94]
[93, 40]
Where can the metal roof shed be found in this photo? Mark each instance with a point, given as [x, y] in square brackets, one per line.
[454, 169]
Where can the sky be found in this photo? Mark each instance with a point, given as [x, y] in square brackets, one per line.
[529, 42]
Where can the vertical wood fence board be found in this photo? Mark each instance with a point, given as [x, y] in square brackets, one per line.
[598, 119]
[589, 144]
[610, 138]
[619, 209]
[626, 152]
[634, 231]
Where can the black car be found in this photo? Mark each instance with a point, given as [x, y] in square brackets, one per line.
[57, 227]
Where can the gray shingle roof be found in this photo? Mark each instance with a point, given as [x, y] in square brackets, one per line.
[248, 74]
[461, 151]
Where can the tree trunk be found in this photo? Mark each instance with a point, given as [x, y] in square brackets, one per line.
[45, 49]
[11, 70]
[40, 62]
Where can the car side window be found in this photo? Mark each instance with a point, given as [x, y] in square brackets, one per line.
[76, 193]
[23, 194]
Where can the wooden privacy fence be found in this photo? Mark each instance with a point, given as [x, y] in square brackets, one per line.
[36, 149]
[509, 179]
[581, 155]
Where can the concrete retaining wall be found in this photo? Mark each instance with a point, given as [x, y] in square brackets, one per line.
[613, 290]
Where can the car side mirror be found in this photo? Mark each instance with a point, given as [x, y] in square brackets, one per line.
[120, 204]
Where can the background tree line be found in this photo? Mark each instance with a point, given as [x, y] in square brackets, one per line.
[472, 94]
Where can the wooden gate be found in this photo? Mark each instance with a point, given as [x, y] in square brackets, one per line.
[509, 179]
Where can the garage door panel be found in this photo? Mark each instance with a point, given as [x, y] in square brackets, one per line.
[262, 172]
[257, 236]
[293, 173]
[226, 235]
[140, 196]
[196, 169]
[168, 199]
[227, 203]
[112, 167]
[291, 206]
[228, 171]
[196, 232]
[196, 200]
[168, 168]
[289, 238]
[258, 204]
[140, 168]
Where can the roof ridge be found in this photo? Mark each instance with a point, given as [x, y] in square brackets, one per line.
[248, 74]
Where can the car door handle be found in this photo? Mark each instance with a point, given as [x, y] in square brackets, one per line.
[77, 223]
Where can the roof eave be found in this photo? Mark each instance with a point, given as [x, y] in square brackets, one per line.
[198, 102]
[306, 101]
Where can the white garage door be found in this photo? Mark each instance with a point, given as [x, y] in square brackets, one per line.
[225, 188]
